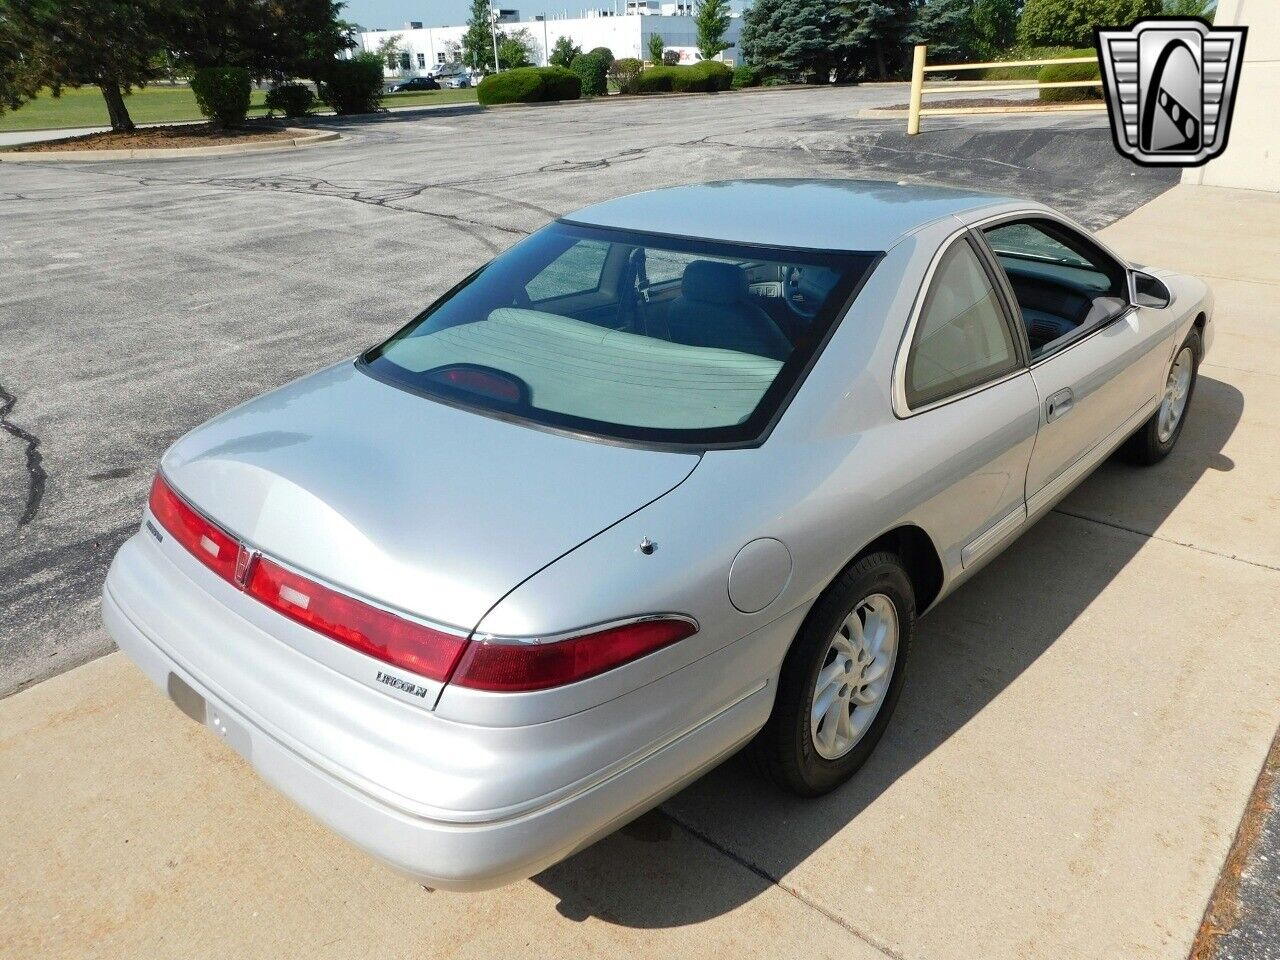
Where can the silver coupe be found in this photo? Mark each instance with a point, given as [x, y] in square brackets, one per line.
[675, 474]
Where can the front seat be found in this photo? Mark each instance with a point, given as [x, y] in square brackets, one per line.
[713, 310]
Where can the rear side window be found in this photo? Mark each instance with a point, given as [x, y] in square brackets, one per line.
[961, 339]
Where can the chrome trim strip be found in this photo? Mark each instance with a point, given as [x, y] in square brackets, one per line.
[994, 534]
[583, 631]
[1080, 467]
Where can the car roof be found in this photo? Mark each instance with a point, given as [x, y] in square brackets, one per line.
[868, 215]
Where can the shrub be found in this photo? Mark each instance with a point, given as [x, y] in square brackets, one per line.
[529, 85]
[222, 94]
[746, 76]
[624, 73]
[291, 99]
[670, 58]
[702, 77]
[1058, 72]
[605, 54]
[355, 85]
[719, 76]
[593, 72]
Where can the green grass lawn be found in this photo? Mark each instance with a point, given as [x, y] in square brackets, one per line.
[422, 98]
[155, 104]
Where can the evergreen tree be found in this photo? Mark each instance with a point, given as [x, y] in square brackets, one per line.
[949, 29]
[563, 51]
[477, 42]
[712, 19]
[788, 38]
[879, 27]
[656, 46]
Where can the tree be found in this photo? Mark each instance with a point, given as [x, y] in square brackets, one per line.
[477, 42]
[995, 26]
[712, 19]
[948, 27]
[1204, 9]
[517, 49]
[563, 51]
[389, 50]
[278, 40]
[656, 46]
[878, 27]
[1070, 23]
[788, 39]
[74, 43]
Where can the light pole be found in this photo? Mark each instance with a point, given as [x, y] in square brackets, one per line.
[493, 30]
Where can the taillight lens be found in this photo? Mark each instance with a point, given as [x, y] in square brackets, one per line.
[210, 544]
[480, 664]
[376, 632]
[510, 666]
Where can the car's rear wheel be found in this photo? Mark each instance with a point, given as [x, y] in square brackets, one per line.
[841, 678]
[1155, 438]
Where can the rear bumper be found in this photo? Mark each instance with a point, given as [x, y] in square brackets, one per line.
[477, 850]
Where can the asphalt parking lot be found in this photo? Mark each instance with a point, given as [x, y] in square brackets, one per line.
[1084, 722]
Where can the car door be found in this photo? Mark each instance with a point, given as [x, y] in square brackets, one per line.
[964, 383]
[1096, 360]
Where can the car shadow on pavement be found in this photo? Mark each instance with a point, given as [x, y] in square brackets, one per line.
[732, 835]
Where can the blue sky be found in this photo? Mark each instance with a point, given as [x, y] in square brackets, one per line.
[394, 14]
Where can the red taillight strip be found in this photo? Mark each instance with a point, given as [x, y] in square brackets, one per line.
[487, 663]
[205, 540]
[356, 624]
[514, 665]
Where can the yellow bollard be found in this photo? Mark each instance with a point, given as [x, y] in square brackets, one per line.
[917, 90]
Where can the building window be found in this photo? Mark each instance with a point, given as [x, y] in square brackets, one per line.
[404, 61]
[422, 61]
[440, 59]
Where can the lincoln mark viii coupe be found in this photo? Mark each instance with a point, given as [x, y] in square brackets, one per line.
[676, 474]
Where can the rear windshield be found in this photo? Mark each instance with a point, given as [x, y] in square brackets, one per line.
[627, 336]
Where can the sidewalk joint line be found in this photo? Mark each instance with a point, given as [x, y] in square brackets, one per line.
[764, 874]
[1176, 543]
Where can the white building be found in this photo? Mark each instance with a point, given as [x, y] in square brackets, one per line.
[625, 33]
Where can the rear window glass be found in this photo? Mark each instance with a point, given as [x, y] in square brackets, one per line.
[627, 335]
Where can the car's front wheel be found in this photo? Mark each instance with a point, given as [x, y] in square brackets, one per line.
[1155, 438]
[840, 680]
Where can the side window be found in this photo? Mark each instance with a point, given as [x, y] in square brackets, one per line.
[577, 270]
[1063, 283]
[962, 339]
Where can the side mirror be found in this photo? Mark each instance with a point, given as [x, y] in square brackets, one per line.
[1148, 291]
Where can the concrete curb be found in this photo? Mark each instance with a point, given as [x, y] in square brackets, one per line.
[304, 138]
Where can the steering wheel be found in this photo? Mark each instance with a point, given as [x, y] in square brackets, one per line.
[793, 294]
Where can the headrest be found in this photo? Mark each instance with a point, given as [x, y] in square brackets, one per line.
[711, 281]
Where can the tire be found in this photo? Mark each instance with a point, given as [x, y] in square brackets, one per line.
[1152, 442]
[787, 750]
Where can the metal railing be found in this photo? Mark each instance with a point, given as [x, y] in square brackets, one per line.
[918, 69]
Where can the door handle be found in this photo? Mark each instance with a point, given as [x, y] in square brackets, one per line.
[1058, 405]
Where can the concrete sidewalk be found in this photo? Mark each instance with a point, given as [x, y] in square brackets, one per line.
[1077, 741]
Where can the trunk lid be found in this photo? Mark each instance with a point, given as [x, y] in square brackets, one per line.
[401, 499]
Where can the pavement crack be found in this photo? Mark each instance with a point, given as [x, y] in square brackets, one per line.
[1176, 543]
[36, 475]
[794, 892]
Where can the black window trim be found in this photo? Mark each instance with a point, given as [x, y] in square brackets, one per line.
[921, 303]
[787, 389]
[1082, 333]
